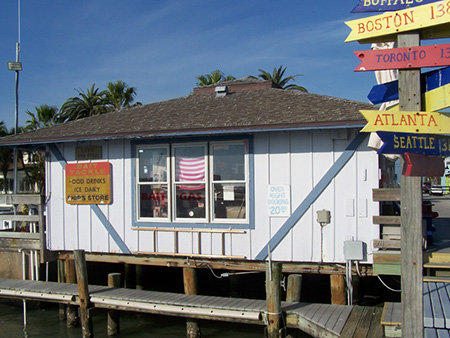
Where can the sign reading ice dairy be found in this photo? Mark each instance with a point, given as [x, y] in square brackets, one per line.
[279, 200]
[88, 183]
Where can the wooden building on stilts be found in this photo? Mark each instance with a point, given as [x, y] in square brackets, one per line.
[227, 178]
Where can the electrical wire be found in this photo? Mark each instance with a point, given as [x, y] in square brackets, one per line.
[386, 286]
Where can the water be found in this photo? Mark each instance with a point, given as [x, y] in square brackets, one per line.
[43, 322]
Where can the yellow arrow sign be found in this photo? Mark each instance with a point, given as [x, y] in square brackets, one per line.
[406, 122]
[436, 13]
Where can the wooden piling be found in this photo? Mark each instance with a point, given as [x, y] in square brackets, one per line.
[294, 288]
[113, 317]
[83, 293]
[61, 279]
[190, 288]
[139, 277]
[72, 319]
[273, 299]
[338, 294]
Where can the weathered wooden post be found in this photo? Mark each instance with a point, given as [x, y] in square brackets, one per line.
[273, 299]
[83, 293]
[113, 317]
[61, 279]
[72, 318]
[411, 210]
[294, 288]
[190, 288]
[338, 294]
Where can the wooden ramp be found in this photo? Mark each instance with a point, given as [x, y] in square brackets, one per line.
[318, 320]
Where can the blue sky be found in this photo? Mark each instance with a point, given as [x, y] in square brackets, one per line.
[160, 47]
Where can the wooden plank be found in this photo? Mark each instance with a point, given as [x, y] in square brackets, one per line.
[387, 244]
[386, 195]
[441, 333]
[427, 308]
[20, 199]
[445, 303]
[375, 329]
[352, 323]
[438, 314]
[364, 323]
[387, 220]
[430, 333]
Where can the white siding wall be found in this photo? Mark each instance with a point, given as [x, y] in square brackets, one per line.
[298, 159]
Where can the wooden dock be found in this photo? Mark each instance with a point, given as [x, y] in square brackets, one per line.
[318, 320]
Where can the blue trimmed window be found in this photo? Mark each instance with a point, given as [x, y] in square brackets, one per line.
[202, 183]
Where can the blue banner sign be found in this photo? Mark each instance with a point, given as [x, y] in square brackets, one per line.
[400, 143]
[389, 91]
[387, 5]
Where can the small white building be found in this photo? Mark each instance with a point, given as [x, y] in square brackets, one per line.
[230, 172]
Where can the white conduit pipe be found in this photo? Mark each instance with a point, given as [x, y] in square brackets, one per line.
[24, 302]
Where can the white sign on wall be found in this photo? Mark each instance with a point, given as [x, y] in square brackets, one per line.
[279, 200]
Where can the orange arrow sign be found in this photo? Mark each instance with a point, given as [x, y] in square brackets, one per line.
[420, 17]
[406, 122]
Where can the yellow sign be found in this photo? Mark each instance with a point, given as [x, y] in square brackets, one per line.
[406, 122]
[433, 14]
[88, 183]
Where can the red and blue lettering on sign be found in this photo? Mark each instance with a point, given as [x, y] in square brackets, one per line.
[387, 5]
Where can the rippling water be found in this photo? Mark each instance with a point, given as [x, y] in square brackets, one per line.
[43, 322]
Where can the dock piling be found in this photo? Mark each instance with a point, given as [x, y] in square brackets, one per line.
[72, 319]
[273, 299]
[113, 317]
[190, 288]
[83, 292]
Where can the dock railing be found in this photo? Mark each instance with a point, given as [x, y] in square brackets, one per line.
[18, 237]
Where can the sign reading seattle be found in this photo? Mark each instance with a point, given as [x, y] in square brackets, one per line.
[400, 143]
[420, 17]
[88, 183]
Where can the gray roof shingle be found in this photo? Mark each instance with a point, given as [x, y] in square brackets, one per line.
[203, 113]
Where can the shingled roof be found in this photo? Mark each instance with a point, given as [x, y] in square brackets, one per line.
[249, 106]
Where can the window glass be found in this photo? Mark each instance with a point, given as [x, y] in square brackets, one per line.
[190, 201]
[228, 162]
[153, 165]
[229, 201]
[153, 201]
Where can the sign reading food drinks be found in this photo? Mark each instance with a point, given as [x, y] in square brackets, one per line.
[88, 183]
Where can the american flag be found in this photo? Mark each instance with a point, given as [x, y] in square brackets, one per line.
[190, 170]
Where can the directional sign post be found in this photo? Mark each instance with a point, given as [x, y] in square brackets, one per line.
[405, 20]
[417, 122]
[387, 5]
[422, 165]
[404, 58]
[400, 143]
[389, 91]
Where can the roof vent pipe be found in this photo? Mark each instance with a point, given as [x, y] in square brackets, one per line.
[221, 91]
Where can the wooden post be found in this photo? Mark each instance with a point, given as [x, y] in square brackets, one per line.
[338, 294]
[273, 299]
[411, 210]
[72, 318]
[139, 277]
[190, 288]
[294, 288]
[113, 317]
[83, 293]
[61, 279]
[130, 273]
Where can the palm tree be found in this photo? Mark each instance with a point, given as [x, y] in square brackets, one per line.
[277, 78]
[6, 158]
[119, 95]
[87, 104]
[45, 116]
[216, 76]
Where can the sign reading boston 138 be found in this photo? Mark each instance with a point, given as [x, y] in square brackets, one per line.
[88, 183]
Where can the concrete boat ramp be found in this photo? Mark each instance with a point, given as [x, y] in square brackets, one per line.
[318, 320]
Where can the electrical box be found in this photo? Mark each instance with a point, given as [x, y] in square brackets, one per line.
[354, 250]
[323, 216]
